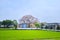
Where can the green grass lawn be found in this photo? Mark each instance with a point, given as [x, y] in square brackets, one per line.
[29, 35]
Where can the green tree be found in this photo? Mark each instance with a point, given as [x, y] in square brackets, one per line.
[4, 23]
[37, 25]
[15, 23]
[0, 23]
[7, 23]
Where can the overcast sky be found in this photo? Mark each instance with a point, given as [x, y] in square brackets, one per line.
[44, 10]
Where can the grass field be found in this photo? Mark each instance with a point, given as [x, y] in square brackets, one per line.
[29, 35]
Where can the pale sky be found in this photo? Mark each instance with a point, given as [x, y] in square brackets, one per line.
[44, 10]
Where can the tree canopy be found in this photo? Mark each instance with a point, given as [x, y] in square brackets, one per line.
[7, 23]
[37, 25]
[15, 23]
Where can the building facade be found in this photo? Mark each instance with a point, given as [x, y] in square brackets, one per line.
[54, 26]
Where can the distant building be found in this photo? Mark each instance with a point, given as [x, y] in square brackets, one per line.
[54, 26]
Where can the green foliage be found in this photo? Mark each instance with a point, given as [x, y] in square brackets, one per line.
[37, 25]
[6, 23]
[15, 23]
[58, 28]
[42, 24]
[0, 23]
